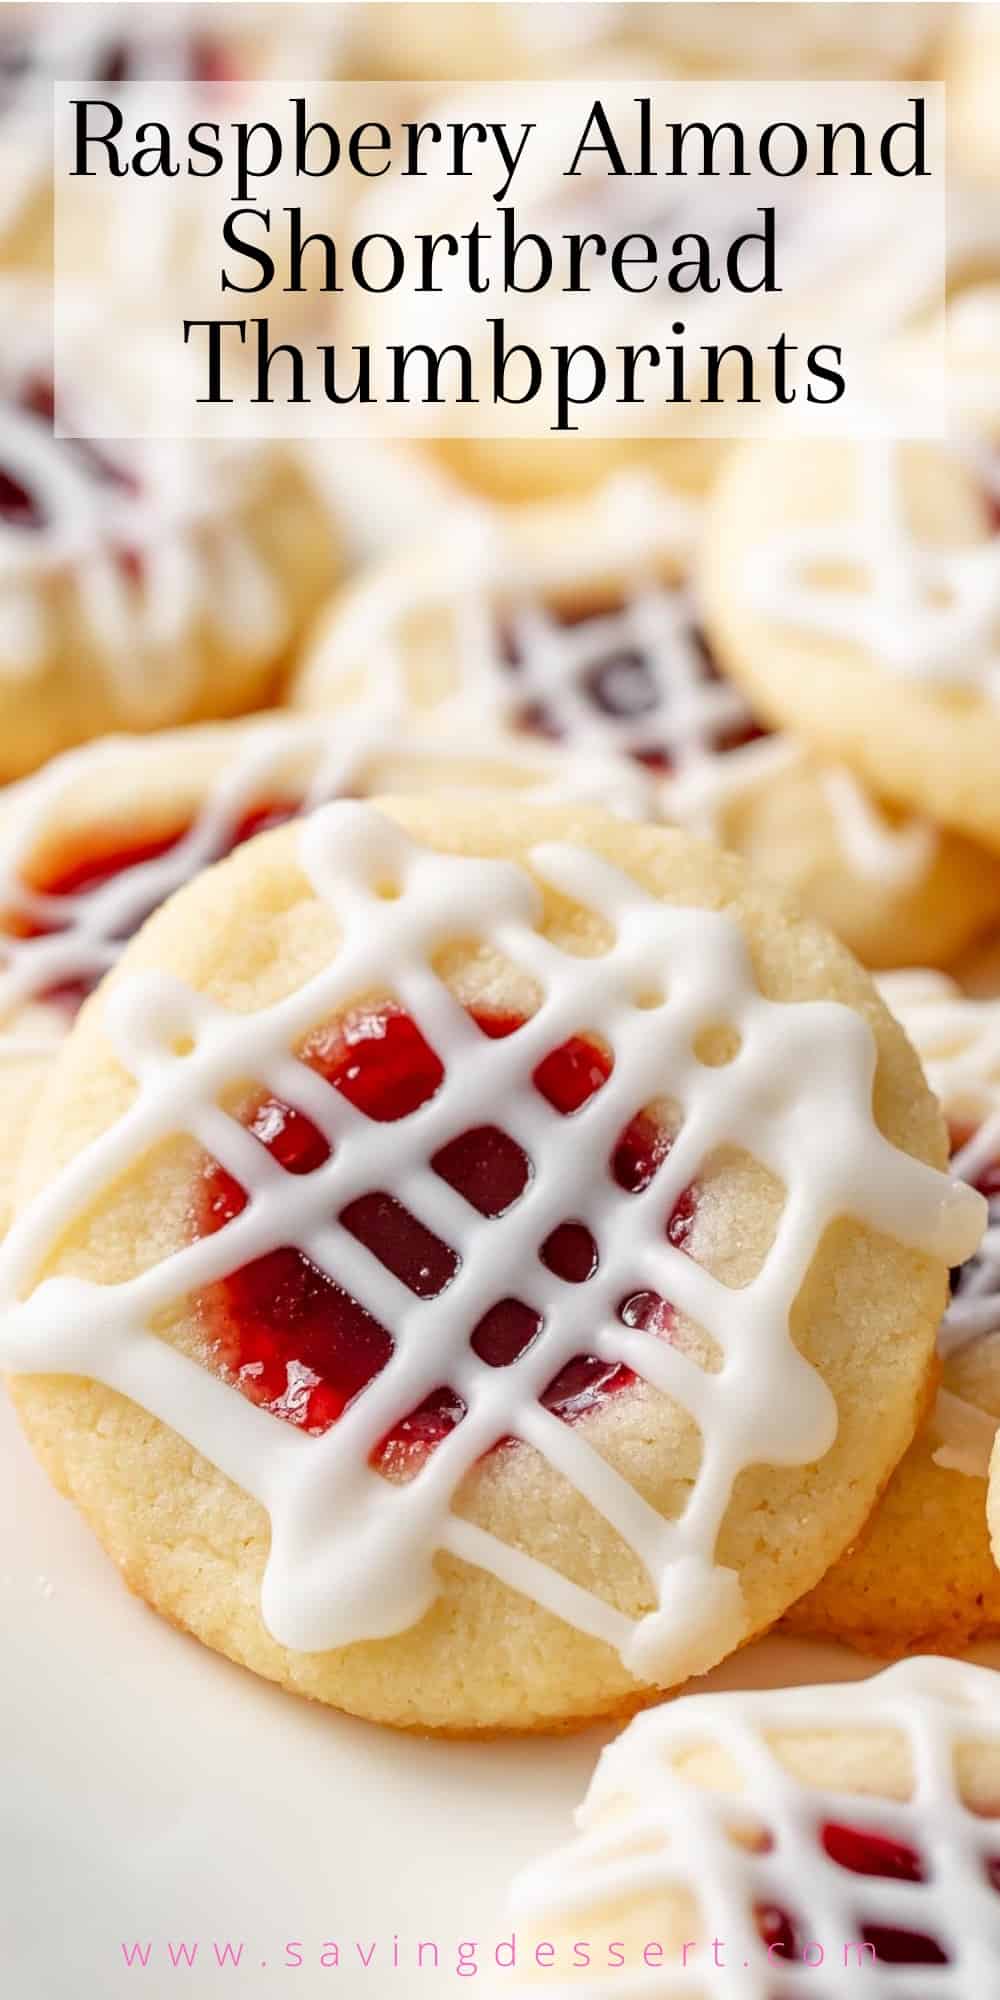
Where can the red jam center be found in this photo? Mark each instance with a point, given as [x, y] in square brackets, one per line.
[296, 1342]
[88, 867]
[862, 1852]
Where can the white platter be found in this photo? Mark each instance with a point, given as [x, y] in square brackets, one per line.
[151, 1793]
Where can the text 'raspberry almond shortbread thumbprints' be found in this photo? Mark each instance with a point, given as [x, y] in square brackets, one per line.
[142, 583]
[477, 1268]
[92, 844]
[579, 624]
[814, 1839]
[922, 1574]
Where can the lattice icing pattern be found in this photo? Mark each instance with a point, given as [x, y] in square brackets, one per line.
[919, 1876]
[958, 1041]
[926, 613]
[72, 938]
[352, 1553]
[635, 679]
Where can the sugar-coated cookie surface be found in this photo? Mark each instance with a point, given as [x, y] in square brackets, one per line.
[143, 582]
[93, 843]
[922, 1573]
[804, 1839]
[535, 1219]
[580, 623]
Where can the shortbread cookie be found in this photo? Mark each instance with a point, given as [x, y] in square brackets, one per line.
[579, 623]
[90, 846]
[737, 1843]
[531, 1215]
[854, 590]
[922, 1574]
[141, 583]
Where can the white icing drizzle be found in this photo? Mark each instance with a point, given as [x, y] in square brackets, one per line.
[651, 638]
[958, 1042]
[646, 1830]
[285, 757]
[930, 614]
[352, 1554]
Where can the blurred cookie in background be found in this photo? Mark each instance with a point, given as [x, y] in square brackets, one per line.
[107, 44]
[853, 586]
[959, 332]
[578, 622]
[436, 42]
[751, 1825]
[138, 236]
[971, 70]
[853, 590]
[823, 40]
[549, 38]
[143, 582]
[922, 1573]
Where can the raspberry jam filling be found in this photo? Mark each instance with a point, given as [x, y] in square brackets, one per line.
[619, 683]
[862, 1852]
[297, 1343]
[88, 867]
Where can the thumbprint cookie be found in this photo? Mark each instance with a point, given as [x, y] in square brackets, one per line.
[807, 1839]
[478, 1268]
[581, 623]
